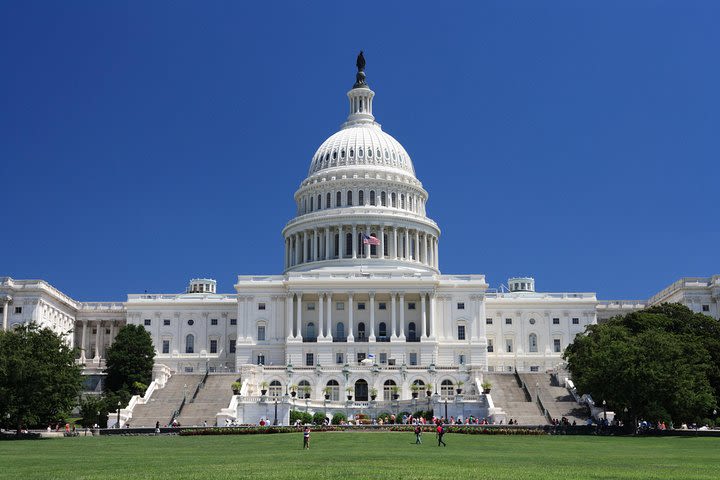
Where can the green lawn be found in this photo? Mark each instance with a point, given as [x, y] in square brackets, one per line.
[381, 455]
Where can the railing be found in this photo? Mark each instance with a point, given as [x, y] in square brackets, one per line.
[521, 384]
[546, 414]
[200, 385]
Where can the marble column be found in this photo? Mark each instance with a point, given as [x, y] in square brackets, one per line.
[423, 317]
[402, 318]
[372, 317]
[381, 253]
[321, 317]
[432, 325]
[299, 317]
[354, 241]
[83, 341]
[328, 335]
[97, 341]
[289, 316]
[393, 317]
[351, 336]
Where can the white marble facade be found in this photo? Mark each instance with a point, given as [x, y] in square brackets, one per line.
[342, 305]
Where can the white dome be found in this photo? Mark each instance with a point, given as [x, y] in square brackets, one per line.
[361, 144]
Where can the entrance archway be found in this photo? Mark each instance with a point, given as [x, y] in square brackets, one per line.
[361, 390]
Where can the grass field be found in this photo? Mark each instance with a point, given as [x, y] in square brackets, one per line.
[372, 455]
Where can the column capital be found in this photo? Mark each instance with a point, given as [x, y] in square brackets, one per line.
[372, 295]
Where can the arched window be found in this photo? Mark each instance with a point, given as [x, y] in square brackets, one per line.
[446, 389]
[361, 390]
[360, 152]
[361, 198]
[340, 330]
[393, 199]
[352, 153]
[361, 331]
[275, 388]
[382, 330]
[338, 199]
[310, 331]
[389, 388]
[402, 200]
[319, 204]
[312, 203]
[334, 390]
[420, 384]
[337, 246]
[385, 244]
[190, 343]
[411, 332]
[373, 248]
[304, 389]
[327, 199]
[349, 198]
[383, 199]
[372, 197]
[304, 209]
[532, 342]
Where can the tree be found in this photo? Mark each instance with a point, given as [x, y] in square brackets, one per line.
[39, 378]
[129, 365]
[660, 363]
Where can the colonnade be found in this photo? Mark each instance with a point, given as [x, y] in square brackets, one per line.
[295, 301]
[100, 339]
[346, 242]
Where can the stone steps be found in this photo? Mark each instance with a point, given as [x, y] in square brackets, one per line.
[164, 401]
[507, 395]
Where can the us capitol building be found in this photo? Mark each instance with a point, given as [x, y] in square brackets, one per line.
[360, 311]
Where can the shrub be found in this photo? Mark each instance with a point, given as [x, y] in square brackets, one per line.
[318, 418]
[304, 417]
[339, 418]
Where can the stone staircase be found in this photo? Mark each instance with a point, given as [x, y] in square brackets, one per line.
[507, 395]
[165, 401]
[211, 398]
[556, 399]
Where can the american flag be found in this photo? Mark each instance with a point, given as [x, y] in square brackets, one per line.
[368, 240]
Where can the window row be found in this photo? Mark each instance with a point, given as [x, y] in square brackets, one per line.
[532, 345]
[189, 345]
[531, 321]
[349, 198]
[361, 305]
[340, 157]
[166, 322]
[18, 310]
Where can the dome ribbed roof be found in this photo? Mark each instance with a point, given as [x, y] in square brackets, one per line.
[361, 144]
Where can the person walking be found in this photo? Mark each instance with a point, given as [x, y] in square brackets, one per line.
[418, 434]
[306, 438]
[440, 433]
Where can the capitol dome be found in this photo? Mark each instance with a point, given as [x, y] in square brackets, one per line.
[361, 204]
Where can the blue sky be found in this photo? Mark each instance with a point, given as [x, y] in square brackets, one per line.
[145, 143]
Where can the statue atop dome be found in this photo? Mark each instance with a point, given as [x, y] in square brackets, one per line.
[360, 77]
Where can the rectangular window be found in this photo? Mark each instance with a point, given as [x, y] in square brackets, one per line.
[556, 345]
[166, 322]
[361, 305]
[213, 321]
[461, 306]
[413, 358]
[261, 359]
[461, 332]
[148, 322]
[491, 348]
[508, 345]
[576, 321]
[232, 346]
[233, 321]
[383, 358]
[488, 321]
[340, 306]
[309, 360]
[2, 309]
[339, 358]
[411, 305]
[107, 331]
[508, 321]
[261, 306]
[534, 368]
[361, 356]
[382, 306]
[556, 321]
[706, 308]
[18, 309]
[213, 346]
[188, 369]
[261, 333]
[311, 306]
[461, 359]
[166, 346]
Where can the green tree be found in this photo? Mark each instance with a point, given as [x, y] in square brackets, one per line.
[129, 365]
[318, 418]
[39, 378]
[655, 362]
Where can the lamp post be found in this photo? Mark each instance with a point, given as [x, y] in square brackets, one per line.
[118, 415]
[605, 410]
[98, 420]
[275, 419]
[446, 417]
